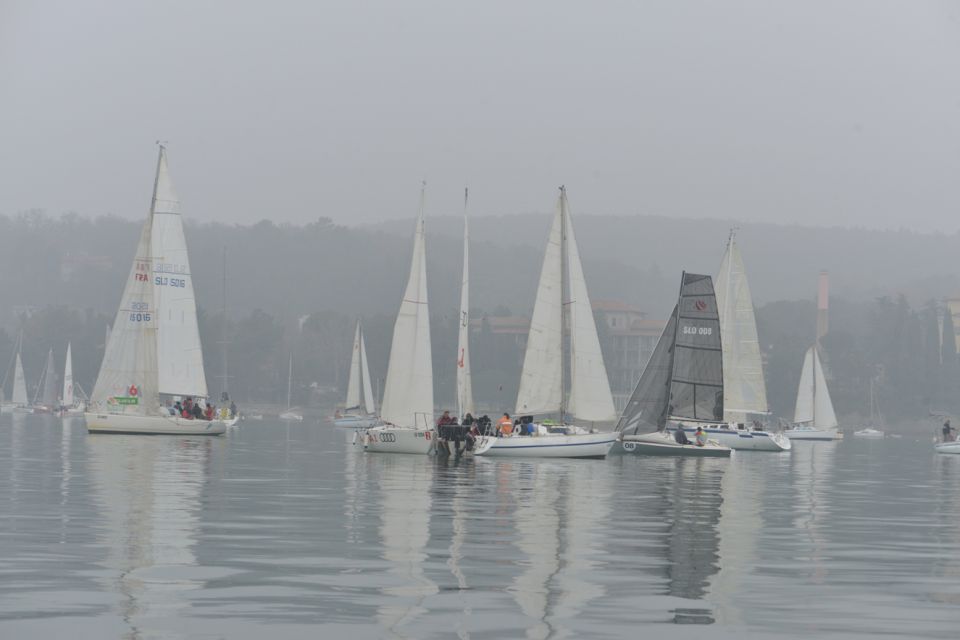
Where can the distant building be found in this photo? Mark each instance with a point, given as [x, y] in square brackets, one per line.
[627, 338]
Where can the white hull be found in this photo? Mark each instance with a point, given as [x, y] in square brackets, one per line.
[349, 421]
[870, 433]
[948, 447]
[12, 408]
[809, 433]
[742, 439]
[387, 439]
[154, 425]
[586, 445]
[291, 415]
[663, 444]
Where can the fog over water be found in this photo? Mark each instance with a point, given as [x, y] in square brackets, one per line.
[787, 112]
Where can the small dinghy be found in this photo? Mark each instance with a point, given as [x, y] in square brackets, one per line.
[948, 447]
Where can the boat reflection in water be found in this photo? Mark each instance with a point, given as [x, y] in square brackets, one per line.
[149, 493]
[403, 484]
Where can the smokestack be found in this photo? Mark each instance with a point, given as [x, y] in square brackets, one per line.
[823, 304]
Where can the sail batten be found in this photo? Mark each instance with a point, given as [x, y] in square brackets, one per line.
[408, 390]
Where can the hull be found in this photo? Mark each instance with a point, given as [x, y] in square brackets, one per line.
[809, 433]
[587, 445]
[388, 439]
[355, 422]
[663, 444]
[12, 408]
[948, 447]
[742, 439]
[874, 434]
[291, 415]
[152, 425]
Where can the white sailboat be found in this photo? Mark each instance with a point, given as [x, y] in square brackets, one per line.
[360, 411]
[464, 383]
[561, 310]
[814, 416]
[870, 431]
[407, 406]
[744, 388]
[153, 354]
[45, 399]
[291, 413]
[683, 380]
[19, 402]
[70, 402]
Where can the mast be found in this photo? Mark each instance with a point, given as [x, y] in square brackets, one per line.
[289, 379]
[464, 383]
[564, 292]
[224, 377]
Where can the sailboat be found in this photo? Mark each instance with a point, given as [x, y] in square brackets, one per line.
[70, 402]
[291, 413]
[464, 382]
[19, 402]
[744, 388]
[814, 416]
[153, 355]
[360, 411]
[562, 309]
[870, 431]
[683, 380]
[45, 399]
[407, 405]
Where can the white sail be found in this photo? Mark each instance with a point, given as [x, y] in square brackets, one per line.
[369, 402]
[541, 382]
[353, 382]
[464, 383]
[803, 413]
[179, 355]
[128, 380]
[408, 390]
[66, 399]
[49, 396]
[744, 388]
[823, 414]
[19, 396]
[590, 398]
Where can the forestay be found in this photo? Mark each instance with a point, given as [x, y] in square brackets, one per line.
[408, 390]
[744, 388]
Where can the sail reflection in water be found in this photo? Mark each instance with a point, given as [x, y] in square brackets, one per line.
[150, 492]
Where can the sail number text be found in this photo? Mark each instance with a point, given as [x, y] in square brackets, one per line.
[698, 331]
[140, 312]
[161, 281]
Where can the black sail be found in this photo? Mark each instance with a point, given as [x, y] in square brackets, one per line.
[684, 377]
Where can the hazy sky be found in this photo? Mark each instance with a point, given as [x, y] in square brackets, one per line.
[821, 112]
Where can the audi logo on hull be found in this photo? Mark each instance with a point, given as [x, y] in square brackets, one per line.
[388, 437]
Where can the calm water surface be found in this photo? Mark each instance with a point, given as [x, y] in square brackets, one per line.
[285, 531]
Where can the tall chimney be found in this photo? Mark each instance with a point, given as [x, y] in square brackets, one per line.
[823, 304]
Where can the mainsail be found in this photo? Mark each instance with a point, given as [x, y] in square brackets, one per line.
[464, 385]
[369, 402]
[542, 381]
[684, 377]
[66, 398]
[179, 355]
[19, 395]
[408, 390]
[814, 406]
[744, 389]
